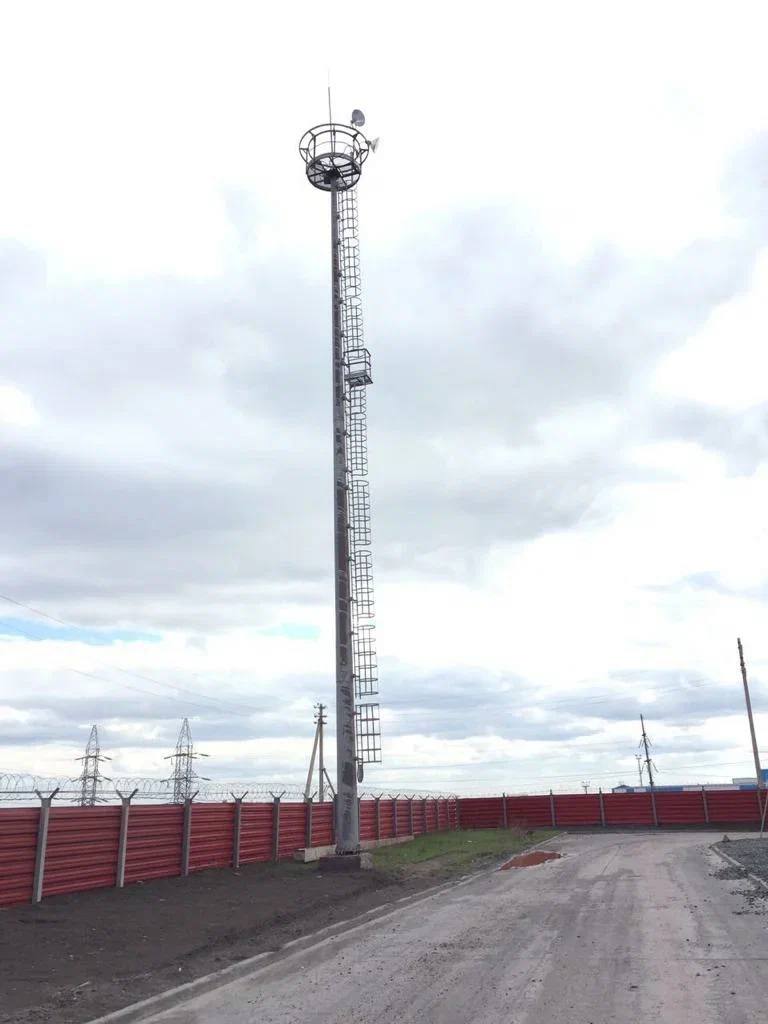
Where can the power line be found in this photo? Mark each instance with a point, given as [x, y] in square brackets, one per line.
[233, 707]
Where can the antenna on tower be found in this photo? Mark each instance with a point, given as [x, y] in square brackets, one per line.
[334, 155]
[184, 775]
[90, 778]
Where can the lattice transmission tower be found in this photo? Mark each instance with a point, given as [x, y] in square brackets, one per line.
[90, 778]
[184, 777]
[334, 154]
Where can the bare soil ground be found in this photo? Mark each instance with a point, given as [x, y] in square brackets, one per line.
[76, 957]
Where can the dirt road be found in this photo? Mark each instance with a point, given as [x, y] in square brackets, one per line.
[622, 928]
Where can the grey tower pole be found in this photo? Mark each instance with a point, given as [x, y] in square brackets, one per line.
[347, 817]
[755, 752]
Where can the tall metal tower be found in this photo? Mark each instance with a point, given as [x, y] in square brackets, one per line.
[90, 778]
[184, 775]
[334, 155]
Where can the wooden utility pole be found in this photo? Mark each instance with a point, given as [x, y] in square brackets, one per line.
[317, 749]
[758, 771]
[647, 755]
[321, 768]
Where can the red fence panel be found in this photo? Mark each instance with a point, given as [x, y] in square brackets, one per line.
[82, 849]
[154, 842]
[213, 827]
[18, 842]
[367, 819]
[403, 818]
[419, 818]
[526, 811]
[256, 833]
[628, 809]
[577, 809]
[293, 824]
[482, 812]
[322, 824]
[680, 808]
[733, 806]
[387, 818]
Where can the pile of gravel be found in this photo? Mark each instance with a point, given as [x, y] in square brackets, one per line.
[751, 853]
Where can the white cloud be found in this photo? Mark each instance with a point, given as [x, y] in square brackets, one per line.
[17, 408]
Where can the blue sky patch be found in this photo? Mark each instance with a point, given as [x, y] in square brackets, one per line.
[294, 631]
[36, 630]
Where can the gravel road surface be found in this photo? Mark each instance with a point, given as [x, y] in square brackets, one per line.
[752, 853]
[623, 928]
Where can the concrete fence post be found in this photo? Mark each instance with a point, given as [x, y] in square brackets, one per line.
[308, 823]
[552, 808]
[705, 805]
[602, 807]
[410, 814]
[276, 827]
[186, 835]
[237, 828]
[42, 843]
[122, 843]
[378, 817]
[504, 821]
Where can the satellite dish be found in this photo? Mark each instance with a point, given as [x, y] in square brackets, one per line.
[357, 119]
[373, 145]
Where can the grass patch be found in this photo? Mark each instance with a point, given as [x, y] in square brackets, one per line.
[452, 852]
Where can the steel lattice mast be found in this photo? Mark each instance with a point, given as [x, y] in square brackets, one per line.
[184, 775]
[90, 778]
[334, 155]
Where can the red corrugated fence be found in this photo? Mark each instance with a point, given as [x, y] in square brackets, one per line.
[82, 845]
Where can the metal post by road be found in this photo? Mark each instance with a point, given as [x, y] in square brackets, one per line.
[122, 843]
[755, 752]
[237, 828]
[42, 843]
[347, 819]
[378, 817]
[504, 810]
[186, 835]
[410, 814]
[394, 815]
[458, 814]
[276, 827]
[602, 807]
[424, 814]
[552, 808]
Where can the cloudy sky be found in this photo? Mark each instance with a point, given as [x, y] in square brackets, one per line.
[565, 256]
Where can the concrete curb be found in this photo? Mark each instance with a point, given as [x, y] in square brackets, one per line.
[715, 847]
[261, 961]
